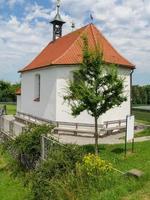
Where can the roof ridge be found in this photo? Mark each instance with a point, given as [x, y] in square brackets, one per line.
[84, 28]
[93, 34]
[96, 41]
[113, 47]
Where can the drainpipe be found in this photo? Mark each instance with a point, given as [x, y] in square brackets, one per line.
[131, 73]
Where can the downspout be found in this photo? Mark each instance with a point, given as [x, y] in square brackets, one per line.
[131, 73]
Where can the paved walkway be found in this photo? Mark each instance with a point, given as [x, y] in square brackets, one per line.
[112, 139]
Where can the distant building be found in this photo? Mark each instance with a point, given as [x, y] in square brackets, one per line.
[44, 80]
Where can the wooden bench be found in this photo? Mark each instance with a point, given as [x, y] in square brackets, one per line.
[76, 132]
[66, 131]
[119, 125]
[119, 122]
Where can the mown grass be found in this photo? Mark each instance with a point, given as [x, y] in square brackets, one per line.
[143, 133]
[123, 187]
[10, 108]
[11, 186]
[142, 116]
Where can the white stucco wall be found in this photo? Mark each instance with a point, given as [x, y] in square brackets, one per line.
[63, 112]
[52, 106]
[18, 103]
[124, 109]
[46, 107]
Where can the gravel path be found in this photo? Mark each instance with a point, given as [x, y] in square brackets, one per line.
[112, 139]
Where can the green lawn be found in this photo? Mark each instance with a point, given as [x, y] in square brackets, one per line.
[11, 187]
[125, 188]
[142, 116]
[11, 108]
[145, 132]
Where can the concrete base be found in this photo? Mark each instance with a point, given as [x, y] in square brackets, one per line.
[135, 173]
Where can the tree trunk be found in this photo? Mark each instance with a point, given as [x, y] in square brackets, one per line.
[96, 136]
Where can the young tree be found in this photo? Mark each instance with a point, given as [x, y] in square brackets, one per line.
[95, 86]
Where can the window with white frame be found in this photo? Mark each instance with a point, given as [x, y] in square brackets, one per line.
[37, 86]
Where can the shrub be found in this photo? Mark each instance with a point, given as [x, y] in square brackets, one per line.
[93, 165]
[27, 146]
[70, 174]
[55, 180]
[61, 161]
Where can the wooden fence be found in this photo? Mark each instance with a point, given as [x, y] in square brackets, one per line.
[75, 129]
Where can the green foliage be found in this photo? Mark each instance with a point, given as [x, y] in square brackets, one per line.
[58, 179]
[93, 165]
[141, 94]
[61, 161]
[72, 186]
[96, 86]
[8, 91]
[27, 146]
[65, 183]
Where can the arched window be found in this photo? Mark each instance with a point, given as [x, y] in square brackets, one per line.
[37, 87]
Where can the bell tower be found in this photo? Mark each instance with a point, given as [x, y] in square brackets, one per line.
[57, 23]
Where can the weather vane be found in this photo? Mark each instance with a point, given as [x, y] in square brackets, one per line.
[91, 17]
[72, 25]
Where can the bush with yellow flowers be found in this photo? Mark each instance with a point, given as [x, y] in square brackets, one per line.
[93, 165]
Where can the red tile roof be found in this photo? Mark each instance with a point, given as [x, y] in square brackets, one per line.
[68, 50]
[18, 91]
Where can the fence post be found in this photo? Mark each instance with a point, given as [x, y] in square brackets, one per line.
[10, 128]
[42, 148]
[76, 129]
[0, 122]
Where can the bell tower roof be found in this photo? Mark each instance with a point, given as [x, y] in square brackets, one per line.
[57, 23]
[58, 18]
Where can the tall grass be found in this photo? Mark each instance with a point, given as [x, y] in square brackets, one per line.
[11, 187]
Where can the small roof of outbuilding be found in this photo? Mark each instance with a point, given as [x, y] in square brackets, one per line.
[18, 91]
[68, 50]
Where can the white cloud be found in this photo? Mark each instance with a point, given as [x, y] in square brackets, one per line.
[22, 39]
[36, 11]
[125, 23]
[12, 3]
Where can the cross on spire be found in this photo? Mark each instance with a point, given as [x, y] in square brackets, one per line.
[58, 5]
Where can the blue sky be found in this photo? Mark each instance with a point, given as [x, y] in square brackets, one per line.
[25, 30]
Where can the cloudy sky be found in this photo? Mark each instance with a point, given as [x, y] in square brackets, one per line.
[25, 30]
